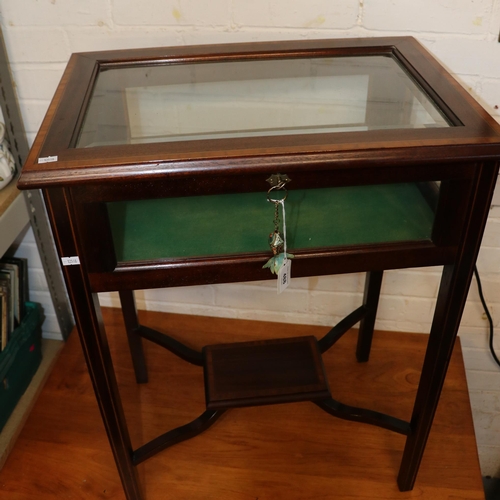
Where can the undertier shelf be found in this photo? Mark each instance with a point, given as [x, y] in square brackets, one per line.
[264, 372]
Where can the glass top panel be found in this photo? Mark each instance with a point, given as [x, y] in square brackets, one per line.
[210, 100]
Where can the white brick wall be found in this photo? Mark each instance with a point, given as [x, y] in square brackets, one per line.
[434, 16]
[41, 34]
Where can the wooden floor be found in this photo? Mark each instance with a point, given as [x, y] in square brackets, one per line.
[293, 451]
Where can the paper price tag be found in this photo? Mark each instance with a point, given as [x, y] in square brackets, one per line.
[284, 276]
[47, 159]
[71, 261]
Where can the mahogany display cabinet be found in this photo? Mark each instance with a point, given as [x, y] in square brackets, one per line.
[157, 164]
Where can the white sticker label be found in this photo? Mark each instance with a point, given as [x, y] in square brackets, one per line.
[71, 261]
[47, 159]
[284, 275]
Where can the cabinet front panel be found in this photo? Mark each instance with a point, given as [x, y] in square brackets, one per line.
[240, 223]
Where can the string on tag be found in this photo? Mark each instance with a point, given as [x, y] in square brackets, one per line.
[282, 203]
[284, 272]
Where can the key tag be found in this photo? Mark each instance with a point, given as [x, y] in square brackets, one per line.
[280, 263]
[284, 275]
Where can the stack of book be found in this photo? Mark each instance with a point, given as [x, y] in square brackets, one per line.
[13, 296]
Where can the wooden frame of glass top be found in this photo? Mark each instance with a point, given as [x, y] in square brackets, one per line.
[417, 128]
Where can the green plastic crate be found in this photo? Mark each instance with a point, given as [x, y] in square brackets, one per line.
[20, 360]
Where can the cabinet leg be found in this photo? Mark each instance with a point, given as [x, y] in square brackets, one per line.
[100, 366]
[88, 319]
[373, 283]
[98, 358]
[451, 297]
[129, 311]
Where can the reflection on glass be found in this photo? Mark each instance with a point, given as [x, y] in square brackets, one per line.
[183, 102]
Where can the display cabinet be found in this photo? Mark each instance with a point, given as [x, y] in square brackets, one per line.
[158, 165]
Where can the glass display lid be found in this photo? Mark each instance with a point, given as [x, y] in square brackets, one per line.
[279, 105]
[185, 102]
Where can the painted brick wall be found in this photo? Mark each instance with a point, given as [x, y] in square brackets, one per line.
[463, 34]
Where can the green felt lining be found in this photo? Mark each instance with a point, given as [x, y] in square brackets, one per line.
[240, 223]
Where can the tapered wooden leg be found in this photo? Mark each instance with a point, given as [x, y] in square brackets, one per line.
[451, 300]
[373, 283]
[439, 349]
[129, 312]
[87, 312]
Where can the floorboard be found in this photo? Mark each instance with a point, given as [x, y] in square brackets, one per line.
[292, 451]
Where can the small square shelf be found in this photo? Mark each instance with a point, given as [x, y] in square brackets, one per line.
[264, 372]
